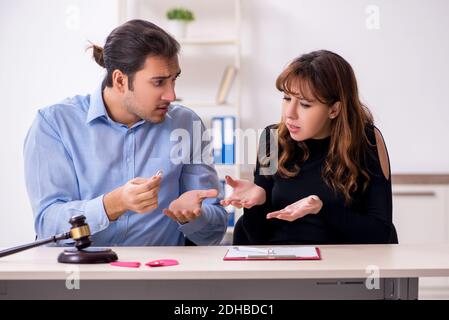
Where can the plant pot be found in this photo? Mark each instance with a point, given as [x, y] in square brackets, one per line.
[177, 28]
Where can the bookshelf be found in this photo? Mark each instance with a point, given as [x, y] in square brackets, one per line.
[210, 42]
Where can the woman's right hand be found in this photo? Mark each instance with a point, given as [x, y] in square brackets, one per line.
[246, 194]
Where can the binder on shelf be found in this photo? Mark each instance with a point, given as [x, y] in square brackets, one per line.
[226, 83]
[217, 139]
[227, 191]
[223, 139]
[231, 220]
[228, 140]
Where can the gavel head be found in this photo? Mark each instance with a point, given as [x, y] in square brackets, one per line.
[80, 232]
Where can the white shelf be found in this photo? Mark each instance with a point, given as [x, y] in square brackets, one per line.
[208, 112]
[226, 170]
[230, 230]
[235, 170]
[206, 104]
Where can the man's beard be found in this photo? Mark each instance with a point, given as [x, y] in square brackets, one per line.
[153, 118]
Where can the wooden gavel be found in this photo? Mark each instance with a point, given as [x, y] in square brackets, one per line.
[80, 232]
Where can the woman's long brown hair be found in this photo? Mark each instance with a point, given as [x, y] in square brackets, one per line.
[330, 79]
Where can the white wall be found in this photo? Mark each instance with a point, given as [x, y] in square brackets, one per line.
[42, 61]
[401, 69]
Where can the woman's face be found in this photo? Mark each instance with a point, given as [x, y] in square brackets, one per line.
[306, 118]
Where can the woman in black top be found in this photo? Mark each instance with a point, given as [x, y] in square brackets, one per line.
[331, 181]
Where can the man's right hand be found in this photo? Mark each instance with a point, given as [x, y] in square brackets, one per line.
[139, 195]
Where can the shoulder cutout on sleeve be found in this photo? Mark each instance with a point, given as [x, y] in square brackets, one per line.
[383, 155]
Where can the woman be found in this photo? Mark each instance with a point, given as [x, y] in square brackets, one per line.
[332, 184]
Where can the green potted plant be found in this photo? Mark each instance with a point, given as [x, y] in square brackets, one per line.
[178, 19]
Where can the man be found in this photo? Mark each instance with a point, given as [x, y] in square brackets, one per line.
[109, 155]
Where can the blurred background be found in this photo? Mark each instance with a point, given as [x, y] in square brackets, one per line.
[232, 52]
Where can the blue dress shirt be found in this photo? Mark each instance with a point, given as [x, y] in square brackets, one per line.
[75, 154]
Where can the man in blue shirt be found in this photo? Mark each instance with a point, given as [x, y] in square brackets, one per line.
[99, 154]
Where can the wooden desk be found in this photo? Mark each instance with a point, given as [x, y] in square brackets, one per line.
[202, 274]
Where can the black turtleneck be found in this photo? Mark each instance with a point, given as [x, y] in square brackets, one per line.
[368, 219]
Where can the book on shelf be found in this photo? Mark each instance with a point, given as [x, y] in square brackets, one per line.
[226, 84]
[223, 139]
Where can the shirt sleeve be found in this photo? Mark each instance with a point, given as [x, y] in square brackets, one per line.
[371, 220]
[210, 227]
[52, 184]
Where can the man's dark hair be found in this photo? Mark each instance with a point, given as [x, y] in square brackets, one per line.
[128, 46]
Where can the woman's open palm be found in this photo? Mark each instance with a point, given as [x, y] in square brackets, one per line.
[246, 194]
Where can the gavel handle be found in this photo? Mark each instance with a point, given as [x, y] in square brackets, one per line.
[38, 243]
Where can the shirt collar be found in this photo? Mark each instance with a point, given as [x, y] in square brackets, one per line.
[97, 108]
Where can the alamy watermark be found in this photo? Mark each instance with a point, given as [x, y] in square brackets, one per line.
[372, 281]
[73, 280]
[198, 146]
[372, 21]
[73, 17]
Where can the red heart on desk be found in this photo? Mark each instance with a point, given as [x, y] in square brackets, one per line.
[125, 264]
[162, 263]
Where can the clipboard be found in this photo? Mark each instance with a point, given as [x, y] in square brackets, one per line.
[238, 253]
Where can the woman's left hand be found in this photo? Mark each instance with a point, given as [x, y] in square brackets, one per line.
[299, 209]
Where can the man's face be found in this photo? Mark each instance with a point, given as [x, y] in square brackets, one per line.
[153, 89]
